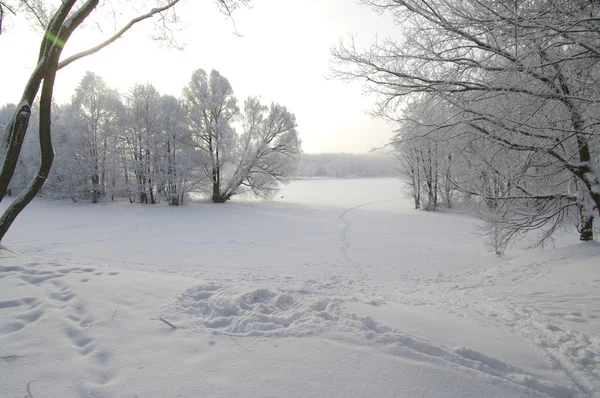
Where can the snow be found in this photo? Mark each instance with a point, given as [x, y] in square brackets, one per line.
[336, 288]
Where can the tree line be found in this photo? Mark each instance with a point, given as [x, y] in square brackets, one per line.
[496, 104]
[342, 165]
[149, 147]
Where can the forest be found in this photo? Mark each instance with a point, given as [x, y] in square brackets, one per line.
[149, 147]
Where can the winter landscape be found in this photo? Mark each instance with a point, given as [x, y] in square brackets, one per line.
[208, 199]
[328, 291]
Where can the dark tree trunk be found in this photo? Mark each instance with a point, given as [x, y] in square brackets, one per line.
[586, 232]
[587, 177]
[151, 190]
[216, 189]
[95, 188]
[16, 129]
[218, 198]
[46, 150]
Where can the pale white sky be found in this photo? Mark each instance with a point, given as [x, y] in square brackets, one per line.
[283, 56]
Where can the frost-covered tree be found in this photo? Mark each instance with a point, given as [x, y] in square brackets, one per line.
[94, 110]
[68, 177]
[59, 20]
[177, 155]
[150, 147]
[268, 150]
[425, 145]
[264, 154]
[525, 78]
[158, 156]
[211, 108]
[142, 140]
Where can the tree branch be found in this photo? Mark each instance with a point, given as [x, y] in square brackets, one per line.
[117, 35]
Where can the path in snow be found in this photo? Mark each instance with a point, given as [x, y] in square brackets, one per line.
[346, 244]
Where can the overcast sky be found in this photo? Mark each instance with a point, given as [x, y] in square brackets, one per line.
[283, 56]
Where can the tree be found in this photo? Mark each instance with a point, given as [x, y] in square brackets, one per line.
[178, 155]
[58, 27]
[264, 154]
[522, 76]
[210, 110]
[142, 139]
[94, 109]
[425, 144]
[269, 150]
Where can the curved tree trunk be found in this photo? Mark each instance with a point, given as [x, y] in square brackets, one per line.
[46, 150]
[58, 33]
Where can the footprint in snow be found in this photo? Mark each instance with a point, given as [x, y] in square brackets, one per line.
[39, 279]
[26, 316]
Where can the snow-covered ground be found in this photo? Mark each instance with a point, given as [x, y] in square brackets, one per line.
[336, 288]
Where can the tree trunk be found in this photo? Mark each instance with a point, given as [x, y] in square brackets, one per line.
[95, 188]
[587, 207]
[151, 190]
[16, 130]
[216, 190]
[590, 180]
[218, 198]
[586, 232]
[46, 150]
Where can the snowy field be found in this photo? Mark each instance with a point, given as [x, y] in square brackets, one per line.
[337, 288]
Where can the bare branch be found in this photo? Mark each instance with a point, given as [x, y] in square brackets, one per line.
[117, 35]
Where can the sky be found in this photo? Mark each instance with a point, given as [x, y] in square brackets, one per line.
[281, 53]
